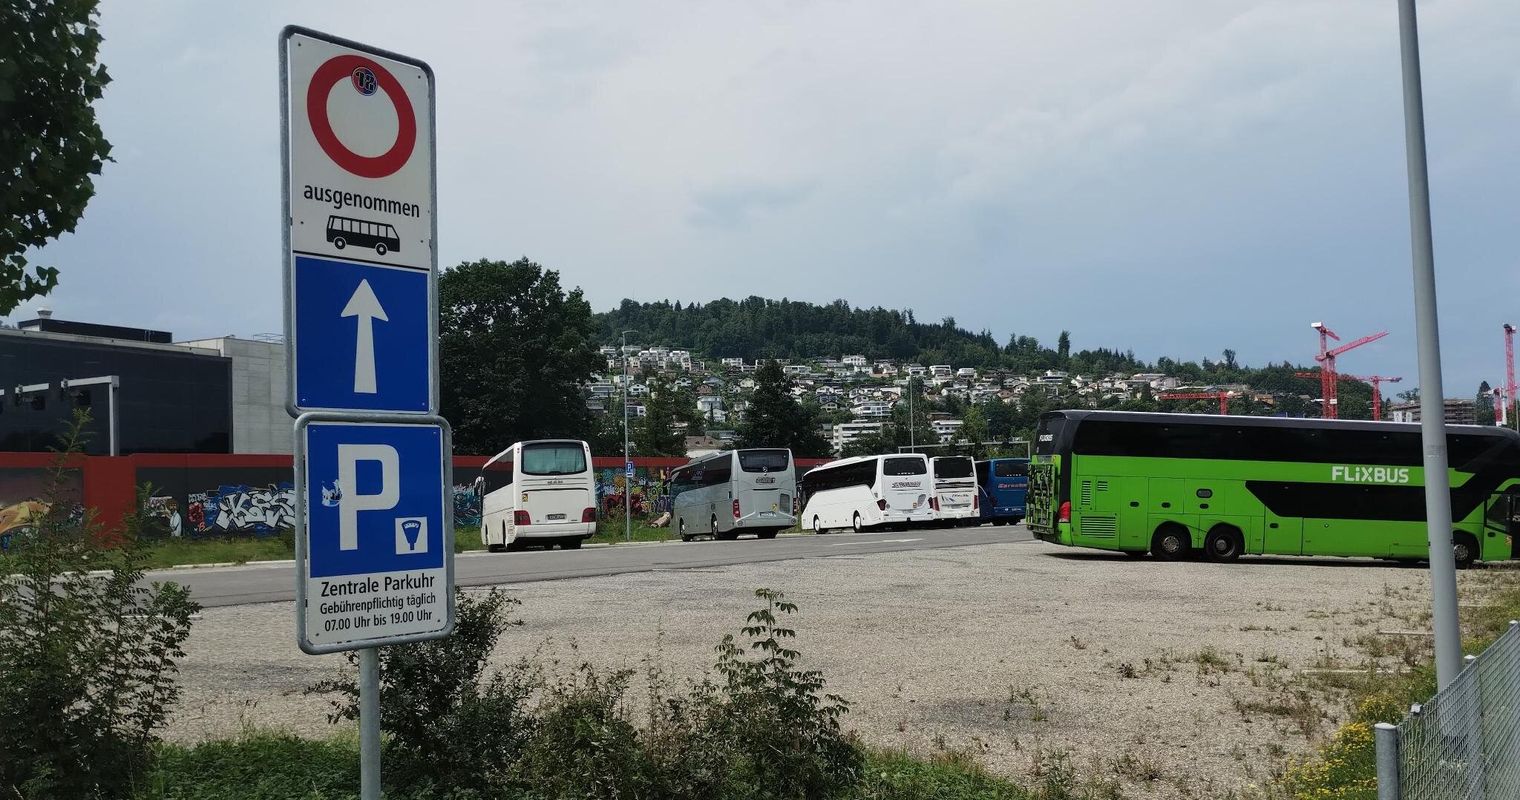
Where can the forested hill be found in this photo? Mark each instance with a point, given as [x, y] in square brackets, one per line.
[757, 328]
[760, 328]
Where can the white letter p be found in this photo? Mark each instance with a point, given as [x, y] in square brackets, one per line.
[351, 503]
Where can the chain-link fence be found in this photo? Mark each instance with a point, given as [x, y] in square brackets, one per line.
[1465, 743]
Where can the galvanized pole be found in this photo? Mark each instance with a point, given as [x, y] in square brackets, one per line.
[369, 724]
[627, 479]
[112, 416]
[1443, 572]
[1385, 738]
[912, 444]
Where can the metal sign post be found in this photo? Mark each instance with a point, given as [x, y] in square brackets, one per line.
[373, 479]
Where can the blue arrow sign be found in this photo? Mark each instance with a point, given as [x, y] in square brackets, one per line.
[362, 337]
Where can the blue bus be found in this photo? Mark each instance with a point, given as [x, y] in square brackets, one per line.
[1001, 484]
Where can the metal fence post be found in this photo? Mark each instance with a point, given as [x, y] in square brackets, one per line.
[1386, 740]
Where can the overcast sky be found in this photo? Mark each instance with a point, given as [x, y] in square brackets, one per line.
[1175, 176]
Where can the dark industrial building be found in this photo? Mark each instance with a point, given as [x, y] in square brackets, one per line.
[169, 398]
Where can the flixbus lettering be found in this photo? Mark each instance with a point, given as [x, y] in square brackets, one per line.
[1342, 473]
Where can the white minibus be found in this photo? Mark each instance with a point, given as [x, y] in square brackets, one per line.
[867, 492]
[538, 493]
[954, 501]
[733, 492]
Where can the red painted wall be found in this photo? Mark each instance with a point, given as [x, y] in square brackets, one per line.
[110, 482]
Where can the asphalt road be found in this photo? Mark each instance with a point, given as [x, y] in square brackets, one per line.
[274, 583]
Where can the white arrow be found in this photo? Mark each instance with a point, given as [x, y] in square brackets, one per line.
[366, 307]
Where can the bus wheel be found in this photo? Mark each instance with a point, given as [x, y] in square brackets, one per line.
[1223, 543]
[856, 523]
[1464, 549]
[817, 527]
[339, 243]
[681, 524]
[1171, 543]
[380, 248]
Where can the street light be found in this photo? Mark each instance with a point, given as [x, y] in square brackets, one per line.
[627, 473]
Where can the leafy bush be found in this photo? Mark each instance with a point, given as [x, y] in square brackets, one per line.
[585, 746]
[448, 725]
[87, 659]
[764, 730]
[771, 722]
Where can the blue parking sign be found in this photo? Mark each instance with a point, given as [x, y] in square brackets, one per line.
[376, 544]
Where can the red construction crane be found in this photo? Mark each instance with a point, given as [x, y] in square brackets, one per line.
[1509, 372]
[1377, 382]
[1222, 397]
[1327, 371]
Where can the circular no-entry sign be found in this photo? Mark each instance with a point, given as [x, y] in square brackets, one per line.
[366, 75]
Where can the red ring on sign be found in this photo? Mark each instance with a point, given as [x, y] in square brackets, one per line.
[327, 76]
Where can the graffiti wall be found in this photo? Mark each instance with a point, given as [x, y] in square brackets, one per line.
[466, 505]
[648, 486]
[218, 501]
[28, 494]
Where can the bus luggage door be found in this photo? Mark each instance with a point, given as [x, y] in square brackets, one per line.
[1284, 535]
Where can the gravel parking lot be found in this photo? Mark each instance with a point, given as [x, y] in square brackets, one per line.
[1154, 674]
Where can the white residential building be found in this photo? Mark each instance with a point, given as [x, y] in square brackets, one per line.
[946, 429]
[966, 372]
[941, 370]
[872, 410]
[847, 432]
[854, 361]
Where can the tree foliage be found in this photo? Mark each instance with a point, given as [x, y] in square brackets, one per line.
[668, 412]
[516, 350]
[50, 143]
[776, 419]
[88, 654]
[1483, 408]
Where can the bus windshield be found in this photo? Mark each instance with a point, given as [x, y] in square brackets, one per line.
[904, 466]
[553, 458]
[1010, 469]
[952, 467]
[763, 460]
[1048, 437]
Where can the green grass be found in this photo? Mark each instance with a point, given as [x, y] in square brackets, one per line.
[610, 531]
[242, 549]
[274, 766]
[237, 550]
[948, 776]
[256, 766]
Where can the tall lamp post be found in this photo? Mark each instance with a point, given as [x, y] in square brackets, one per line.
[627, 473]
[1443, 574]
[912, 444]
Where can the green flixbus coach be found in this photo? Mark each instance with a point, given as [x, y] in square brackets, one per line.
[1176, 485]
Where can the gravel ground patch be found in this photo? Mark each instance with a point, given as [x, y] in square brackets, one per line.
[1166, 677]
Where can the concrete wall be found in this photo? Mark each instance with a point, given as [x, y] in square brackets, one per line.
[259, 421]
